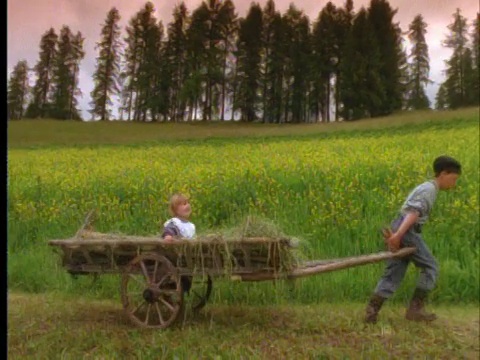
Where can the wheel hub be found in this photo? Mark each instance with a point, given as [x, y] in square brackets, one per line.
[150, 296]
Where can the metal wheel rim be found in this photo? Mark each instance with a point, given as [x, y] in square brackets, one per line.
[200, 292]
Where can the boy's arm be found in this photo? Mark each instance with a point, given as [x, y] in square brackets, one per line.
[394, 239]
[410, 218]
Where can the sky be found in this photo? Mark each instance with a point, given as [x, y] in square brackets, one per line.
[28, 20]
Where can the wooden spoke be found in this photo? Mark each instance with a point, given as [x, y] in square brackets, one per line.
[167, 304]
[169, 292]
[138, 307]
[160, 318]
[144, 271]
[148, 313]
[159, 284]
[154, 277]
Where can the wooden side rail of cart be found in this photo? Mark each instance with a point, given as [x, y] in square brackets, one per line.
[159, 278]
[94, 252]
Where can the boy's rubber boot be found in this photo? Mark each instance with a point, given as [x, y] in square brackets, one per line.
[373, 307]
[416, 311]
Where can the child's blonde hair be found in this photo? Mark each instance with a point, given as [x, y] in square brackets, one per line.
[175, 200]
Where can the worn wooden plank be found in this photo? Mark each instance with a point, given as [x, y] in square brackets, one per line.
[98, 239]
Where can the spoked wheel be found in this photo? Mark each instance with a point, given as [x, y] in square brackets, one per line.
[197, 290]
[151, 291]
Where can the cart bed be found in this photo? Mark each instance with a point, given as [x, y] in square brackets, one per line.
[94, 252]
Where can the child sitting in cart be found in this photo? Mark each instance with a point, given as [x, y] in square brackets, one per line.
[179, 226]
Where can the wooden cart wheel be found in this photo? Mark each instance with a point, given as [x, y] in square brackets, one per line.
[151, 291]
[198, 290]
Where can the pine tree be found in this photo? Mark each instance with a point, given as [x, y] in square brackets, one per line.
[228, 21]
[455, 83]
[175, 62]
[249, 47]
[476, 42]
[213, 59]
[344, 23]
[132, 60]
[404, 76]
[152, 97]
[210, 39]
[471, 79]
[299, 53]
[106, 76]
[76, 57]
[18, 89]
[275, 69]
[65, 83]
[268, 37]
[62, 76]
[419, 66]
[475, 86]
[325, 58]
[380, 15]
[197, 42]
[143, 98]
[149, 66]
[441, 98]
[44, 69]
[363, 91]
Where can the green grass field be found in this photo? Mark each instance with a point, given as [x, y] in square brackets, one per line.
[331, 185]
[52, 326]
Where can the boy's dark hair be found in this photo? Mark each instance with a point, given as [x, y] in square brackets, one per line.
[447, 164]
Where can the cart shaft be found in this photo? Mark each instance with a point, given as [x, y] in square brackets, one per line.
[311, 268]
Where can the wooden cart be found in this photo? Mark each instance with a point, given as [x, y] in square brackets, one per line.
[156, 275]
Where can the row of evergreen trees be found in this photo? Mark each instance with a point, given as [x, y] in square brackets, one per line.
[56, 87]
[267, 66]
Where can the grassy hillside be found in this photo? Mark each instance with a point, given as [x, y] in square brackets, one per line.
[28, 133]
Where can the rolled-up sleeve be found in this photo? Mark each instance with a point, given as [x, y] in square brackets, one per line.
[421, 200]
[417, 202]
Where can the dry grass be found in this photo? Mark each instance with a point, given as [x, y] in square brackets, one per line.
[258, 226]
[48, 326]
